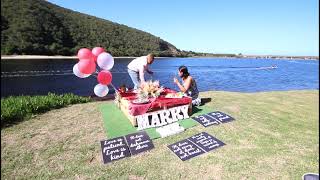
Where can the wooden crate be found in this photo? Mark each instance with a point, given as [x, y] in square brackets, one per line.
[124, 107]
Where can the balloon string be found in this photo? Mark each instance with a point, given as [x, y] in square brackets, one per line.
[110, 84]
[114, 87]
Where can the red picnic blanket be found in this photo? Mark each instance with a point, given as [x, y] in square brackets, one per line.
[155, 103]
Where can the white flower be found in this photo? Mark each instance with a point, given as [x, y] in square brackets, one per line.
[149, 89]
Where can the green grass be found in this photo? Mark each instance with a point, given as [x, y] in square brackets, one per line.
[275, 136]
[116, 123]
[18, 108]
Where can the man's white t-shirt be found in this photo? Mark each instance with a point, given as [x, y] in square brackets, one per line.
[139, 64]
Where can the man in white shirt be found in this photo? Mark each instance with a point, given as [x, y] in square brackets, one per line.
[137, 67]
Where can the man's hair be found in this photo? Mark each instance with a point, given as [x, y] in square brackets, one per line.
[151, 55]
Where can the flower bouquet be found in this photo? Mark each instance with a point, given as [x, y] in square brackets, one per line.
[150, 89]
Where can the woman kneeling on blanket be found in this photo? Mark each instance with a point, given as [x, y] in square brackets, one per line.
[189, 86]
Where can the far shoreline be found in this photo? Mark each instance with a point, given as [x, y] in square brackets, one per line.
[43, 57]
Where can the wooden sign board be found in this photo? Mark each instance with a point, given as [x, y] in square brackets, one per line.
[205, 141]
[114, 149]
[220, 116]
[195, 145]
[185, 149]
[213, 118]
[206, 120]
[125, 146]
[139, 142]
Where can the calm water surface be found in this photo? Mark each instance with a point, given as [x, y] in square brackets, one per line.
[38, 77]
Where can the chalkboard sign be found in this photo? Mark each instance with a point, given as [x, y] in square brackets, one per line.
[114, 149]
[220, 116]
[206, 120]
[195, 145]
[205, 141]
[213, 118]
[185, 149]
[139, 142]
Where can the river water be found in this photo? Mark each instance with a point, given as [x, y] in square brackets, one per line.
[38, 77]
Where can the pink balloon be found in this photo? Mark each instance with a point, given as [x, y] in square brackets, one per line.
[86, 66]
[85, 53]
[97, 50]
[76, 72]
[104, 77]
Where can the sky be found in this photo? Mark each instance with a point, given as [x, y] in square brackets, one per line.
[252, 27]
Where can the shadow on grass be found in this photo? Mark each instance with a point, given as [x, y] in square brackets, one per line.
[11, 123]
[108, 97]
[205, 100]
[195, 110]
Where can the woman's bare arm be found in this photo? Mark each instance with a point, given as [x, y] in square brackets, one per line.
[186, 86]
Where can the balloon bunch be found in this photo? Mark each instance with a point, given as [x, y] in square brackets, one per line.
[87, 65]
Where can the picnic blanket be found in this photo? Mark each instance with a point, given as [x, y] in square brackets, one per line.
[155, 103]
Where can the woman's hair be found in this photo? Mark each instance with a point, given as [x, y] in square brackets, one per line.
[184, 71]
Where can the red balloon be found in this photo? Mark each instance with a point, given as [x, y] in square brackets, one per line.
[85, 53]
[86, 66]
[97, 50]
[104, 77]
[95, 58]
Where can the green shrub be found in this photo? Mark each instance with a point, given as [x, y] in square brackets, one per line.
[18, 108]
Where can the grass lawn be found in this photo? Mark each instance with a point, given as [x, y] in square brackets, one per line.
[275, 136]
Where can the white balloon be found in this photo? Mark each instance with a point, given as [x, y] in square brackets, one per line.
[105, 61]
[78, 73]
[101, 90]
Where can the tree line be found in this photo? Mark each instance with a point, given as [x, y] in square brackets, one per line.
[37, 27]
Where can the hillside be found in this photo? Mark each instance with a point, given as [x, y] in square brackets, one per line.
[37, 27]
